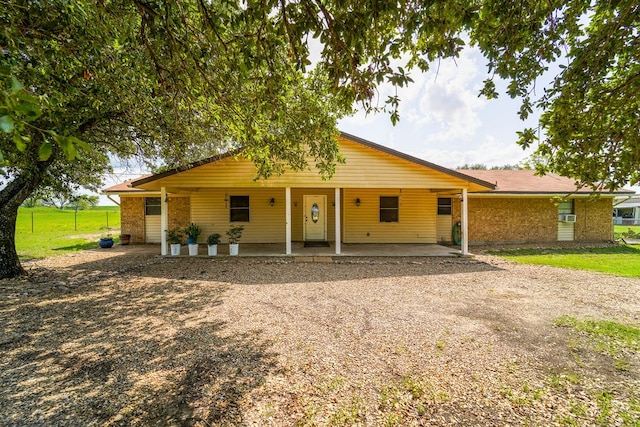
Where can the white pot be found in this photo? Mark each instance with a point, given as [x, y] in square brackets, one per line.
[175, 249]
[233, 249]
[212, 250]
[193, 249]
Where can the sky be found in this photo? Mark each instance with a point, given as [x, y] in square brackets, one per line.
[442, 119]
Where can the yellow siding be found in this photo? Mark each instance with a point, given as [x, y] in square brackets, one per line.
[417, 217]
[365, 167]
[266, 223]
[445, 225]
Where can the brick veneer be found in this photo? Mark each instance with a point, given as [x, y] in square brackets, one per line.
[132, 218]
[518, 220]
[132, 215]
[594, 219]
[179, 215]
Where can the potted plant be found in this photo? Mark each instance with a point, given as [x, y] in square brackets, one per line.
[106, 241]
[125, 239]
[212, 244]
[234, 233]
[192, 231]
[174, 237]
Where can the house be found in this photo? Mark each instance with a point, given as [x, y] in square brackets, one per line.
[626, 210]
[378, 195]
[524, 207]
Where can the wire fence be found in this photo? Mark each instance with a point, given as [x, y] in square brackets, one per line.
[39, 221]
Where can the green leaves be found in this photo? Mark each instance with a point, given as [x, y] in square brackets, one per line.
[21, 111]
[45, 150]
[6, 124]
[589, 121]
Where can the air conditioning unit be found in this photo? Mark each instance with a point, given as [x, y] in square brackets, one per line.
[566, 218]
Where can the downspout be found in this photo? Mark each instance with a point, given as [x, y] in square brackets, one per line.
[465, 223]
[164, 220]
[113, 200]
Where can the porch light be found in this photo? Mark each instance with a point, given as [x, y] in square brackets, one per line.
[358, 201]
[272, 201]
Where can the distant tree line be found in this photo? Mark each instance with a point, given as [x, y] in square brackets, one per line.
[62, 201]
[480, 166]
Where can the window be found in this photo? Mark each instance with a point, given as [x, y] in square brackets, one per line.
[239, 211]
[152, 206]
[444, 205]
[388, 208]
[565, 207]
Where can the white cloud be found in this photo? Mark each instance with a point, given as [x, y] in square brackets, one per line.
[448, 106]
[488, 152]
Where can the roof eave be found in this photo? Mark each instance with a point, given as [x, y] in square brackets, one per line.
[544, 193]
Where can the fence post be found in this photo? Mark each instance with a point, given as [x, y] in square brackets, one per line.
[32, 221]
[75, 219]
[107, 220]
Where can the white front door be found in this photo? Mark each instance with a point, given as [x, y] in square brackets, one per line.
[315, 218]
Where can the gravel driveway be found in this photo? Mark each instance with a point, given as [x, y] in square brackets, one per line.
[98, 338]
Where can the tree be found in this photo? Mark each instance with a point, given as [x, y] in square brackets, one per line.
[174, 82]
[84, 201]
[481, 166]
[590, 127]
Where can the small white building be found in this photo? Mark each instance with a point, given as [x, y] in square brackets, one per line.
[626, 210]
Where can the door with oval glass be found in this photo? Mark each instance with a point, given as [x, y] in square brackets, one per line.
[315, 217]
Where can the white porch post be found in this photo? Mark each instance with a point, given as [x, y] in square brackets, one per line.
[465, 223]
[164, 220]
[287, 202]
[337, 215]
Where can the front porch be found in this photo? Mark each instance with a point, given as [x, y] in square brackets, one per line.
[348, 250]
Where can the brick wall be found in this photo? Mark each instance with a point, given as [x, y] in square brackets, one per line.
[132, 218]
[594, 221]
[519, 220]
[179, 215]
[512, 220]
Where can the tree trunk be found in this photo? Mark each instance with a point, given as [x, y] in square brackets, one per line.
[11, 197]
[9, 262]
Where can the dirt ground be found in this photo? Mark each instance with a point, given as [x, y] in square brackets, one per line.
[114, 339]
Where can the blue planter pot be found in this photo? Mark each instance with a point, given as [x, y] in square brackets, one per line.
[191, 241]
[106, 242]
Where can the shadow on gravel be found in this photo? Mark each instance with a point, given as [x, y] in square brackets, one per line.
[272, 270]
[126, 354]
[551, 348]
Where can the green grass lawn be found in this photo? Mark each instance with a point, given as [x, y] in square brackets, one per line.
[622, 260]
[55, 231]
[620, 231]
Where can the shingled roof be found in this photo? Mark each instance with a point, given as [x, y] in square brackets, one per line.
[526, 182]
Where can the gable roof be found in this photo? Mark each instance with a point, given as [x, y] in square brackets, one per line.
[526, 182]
[125, 187]
[418, 161]
[379, 148]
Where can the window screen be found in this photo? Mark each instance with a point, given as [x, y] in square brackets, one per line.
[152, 206]
[239, 210]
[444, 205]
[388, 208]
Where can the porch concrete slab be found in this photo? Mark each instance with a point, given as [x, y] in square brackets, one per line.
[355, 250]
[317, 254]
